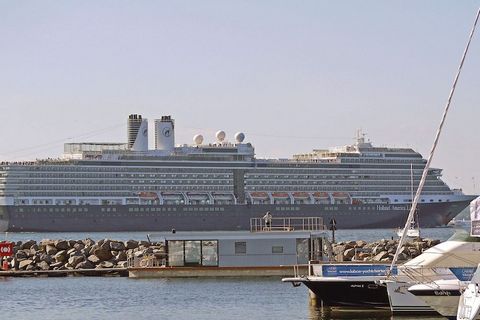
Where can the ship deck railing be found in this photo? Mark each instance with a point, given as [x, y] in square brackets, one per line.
[287, 224]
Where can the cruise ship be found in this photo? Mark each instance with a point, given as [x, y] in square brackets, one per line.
[219, 185]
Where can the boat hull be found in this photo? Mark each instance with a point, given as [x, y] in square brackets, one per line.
[351, 294]
[71, 218]
[444, 301]
[403, 302]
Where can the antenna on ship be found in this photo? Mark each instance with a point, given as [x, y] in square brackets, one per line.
[360, 136]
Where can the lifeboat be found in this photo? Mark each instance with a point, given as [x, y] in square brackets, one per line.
[357, 202]
[172, 195]
[172, 198]
[259, 195]
[223, 196]
[341, 195]
[301, 195]
[197, 195]
[147, 195]
[281, 195]
[321, 195]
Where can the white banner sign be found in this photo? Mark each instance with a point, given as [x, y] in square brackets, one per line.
[475, 217]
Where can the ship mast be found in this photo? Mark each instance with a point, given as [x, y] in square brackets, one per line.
[432, 151]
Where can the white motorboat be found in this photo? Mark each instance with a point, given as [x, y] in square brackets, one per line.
[469, 303]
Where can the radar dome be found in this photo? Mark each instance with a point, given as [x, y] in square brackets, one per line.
[220, 135]
[198, 139]
[239, 137]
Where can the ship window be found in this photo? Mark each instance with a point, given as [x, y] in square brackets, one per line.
[277, 249]
[240, 248]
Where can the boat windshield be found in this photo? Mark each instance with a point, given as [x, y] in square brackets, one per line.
[462, 235]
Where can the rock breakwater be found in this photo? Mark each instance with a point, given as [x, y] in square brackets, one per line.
[111, 254]
[380, 251]
[78, 254]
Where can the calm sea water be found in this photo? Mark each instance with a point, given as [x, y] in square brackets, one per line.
[212, 299]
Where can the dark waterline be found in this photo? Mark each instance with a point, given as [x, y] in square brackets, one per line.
[340, 235]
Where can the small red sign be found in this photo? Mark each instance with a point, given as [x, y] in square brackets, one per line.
[6, 249]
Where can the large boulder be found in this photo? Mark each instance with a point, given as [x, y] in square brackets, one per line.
[21, 255]
[103, 253]
[360, 243]
[85, 265]
[380, 256]
[51, 249]
[378, 248]
[61, 256]
[131, 244]
[117, 246]
[43, 265]
[56, 265]
[350, 244]
[94, 259]
[88, 242]
[144, 243]
[24, 264]
[31, 267]
[46, 257]
[28, 244]
[105, 242]
[71, 243]
[348, 254]
[78, 246]
[105, 265]
[46, 242]
[121, 256]
[73, 261]
[61, 245]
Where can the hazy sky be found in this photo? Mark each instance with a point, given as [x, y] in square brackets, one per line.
[292, 75]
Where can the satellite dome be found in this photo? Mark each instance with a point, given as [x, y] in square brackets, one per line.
[220, 135]
[198, 139]
[239, 137]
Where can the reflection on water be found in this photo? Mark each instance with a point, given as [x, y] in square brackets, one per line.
[319, 313]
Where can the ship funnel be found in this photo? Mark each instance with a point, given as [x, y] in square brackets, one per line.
[165, 134]
[137, 133]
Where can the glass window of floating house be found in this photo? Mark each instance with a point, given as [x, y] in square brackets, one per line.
[241, 248]
[302, 251]
[277, 249]
[193, 253]
[175, 253]
[209, 253]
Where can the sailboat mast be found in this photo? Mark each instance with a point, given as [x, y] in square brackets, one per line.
[434, 146]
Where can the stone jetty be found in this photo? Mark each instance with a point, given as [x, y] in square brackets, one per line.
[380, 251]
[79, 254]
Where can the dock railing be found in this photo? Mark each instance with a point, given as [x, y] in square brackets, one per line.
[287, 224]
[146, 261]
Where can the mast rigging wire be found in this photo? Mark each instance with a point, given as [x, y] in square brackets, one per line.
[432, 151]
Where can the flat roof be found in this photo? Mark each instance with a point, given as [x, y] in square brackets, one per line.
[233, 235]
